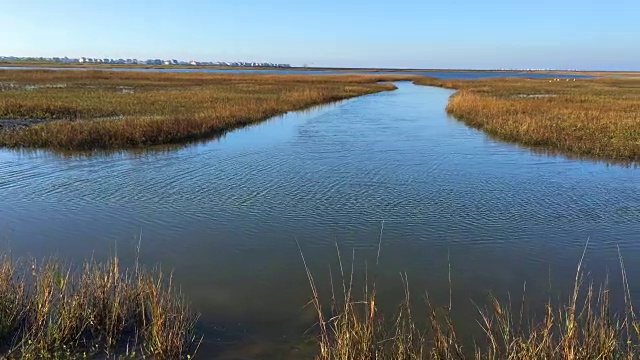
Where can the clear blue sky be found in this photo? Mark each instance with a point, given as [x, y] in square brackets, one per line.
[583, 34]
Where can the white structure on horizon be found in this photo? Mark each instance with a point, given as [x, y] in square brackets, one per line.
[92, 60]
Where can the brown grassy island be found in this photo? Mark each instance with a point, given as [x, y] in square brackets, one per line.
[84, 110]
[596, 118]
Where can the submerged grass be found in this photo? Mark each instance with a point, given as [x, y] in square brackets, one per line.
[596, 118]
[94, 109]
[582, 327]
[52, 311]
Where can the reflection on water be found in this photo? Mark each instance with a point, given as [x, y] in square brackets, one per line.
[224, 214]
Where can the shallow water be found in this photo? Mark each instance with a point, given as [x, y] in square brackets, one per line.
[224, 214]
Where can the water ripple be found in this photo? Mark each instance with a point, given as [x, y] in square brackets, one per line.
[224, 213]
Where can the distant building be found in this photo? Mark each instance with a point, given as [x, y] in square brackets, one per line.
[89, 60]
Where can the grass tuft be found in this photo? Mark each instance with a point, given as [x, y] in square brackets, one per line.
[582, 327]
[48, 310]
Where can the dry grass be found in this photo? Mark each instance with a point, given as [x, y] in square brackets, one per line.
[596, 118]
[125, 109]
[85, 110]
[52, 311]
[582, 327]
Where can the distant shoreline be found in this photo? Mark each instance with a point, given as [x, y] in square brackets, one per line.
[45, 64]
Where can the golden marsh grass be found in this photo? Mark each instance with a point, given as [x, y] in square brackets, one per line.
[86, 110]
[597, 118]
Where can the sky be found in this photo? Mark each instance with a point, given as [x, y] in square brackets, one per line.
[454, 34]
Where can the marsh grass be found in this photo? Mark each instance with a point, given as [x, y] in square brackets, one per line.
[595, 118]
[95, 109]
[584, 326]
[52, 311]
[92, 111]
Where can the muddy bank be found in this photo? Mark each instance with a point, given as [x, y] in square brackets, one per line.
[6, 124]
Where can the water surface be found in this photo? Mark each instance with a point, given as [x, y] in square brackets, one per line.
[225, 214]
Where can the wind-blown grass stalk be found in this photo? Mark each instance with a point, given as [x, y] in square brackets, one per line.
[48, 310]
[582, 327]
